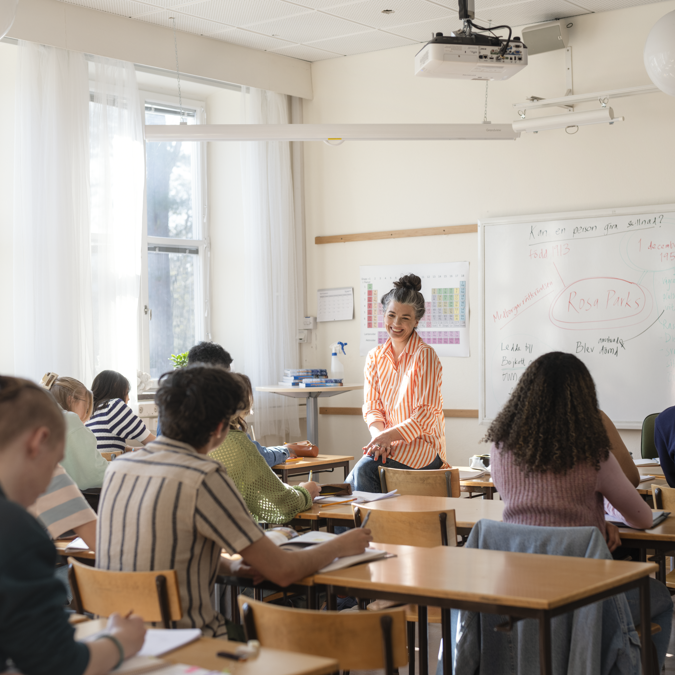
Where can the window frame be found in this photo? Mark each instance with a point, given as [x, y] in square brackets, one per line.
[202, 243]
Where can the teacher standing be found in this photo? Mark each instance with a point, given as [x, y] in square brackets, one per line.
[403, 405]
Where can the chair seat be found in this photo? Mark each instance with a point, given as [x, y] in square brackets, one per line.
[411, 614]
[655, 628]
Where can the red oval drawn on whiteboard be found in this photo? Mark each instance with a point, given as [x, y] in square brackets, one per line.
[600, 302]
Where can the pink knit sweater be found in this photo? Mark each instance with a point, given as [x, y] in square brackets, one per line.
[572, 499]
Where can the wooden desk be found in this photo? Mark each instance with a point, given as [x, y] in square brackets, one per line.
[62, 544]
[482, 485]
[203, 653]
[316, 464]
[651, 471]
[660, 538]
[496, 582]
[312, 395]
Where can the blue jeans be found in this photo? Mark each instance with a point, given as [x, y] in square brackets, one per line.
[365, 477]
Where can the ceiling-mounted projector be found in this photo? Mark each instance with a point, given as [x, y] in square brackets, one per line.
[467, 55]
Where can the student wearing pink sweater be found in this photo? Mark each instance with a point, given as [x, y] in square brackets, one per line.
[552, 464]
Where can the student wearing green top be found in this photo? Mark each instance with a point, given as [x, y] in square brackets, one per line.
[82, 460]
[267, 498]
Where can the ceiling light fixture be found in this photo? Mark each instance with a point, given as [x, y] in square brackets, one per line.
[333, 134]
[580, 119]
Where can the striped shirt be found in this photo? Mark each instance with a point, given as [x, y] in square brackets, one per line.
[406, 395]
[62, 507]
[114, 424]
[167, 507]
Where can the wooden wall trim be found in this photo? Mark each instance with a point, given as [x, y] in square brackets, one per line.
[447, 412]
[397, 234]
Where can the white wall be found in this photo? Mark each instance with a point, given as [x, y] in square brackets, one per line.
[363, 187]
[8, 60]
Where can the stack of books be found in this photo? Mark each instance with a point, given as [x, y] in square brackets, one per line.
[309, 377]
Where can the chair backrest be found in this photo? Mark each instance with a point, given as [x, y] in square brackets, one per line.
[647, 445]
[410, 528]
[110, 455]
[436, 483]
[664, 497]
[357, 640]
[153, 595]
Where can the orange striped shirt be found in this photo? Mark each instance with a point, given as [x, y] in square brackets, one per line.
[407, 396]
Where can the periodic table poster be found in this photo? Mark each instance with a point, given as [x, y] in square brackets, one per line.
[445, 287]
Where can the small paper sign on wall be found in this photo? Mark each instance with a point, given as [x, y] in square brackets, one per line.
[335, 304]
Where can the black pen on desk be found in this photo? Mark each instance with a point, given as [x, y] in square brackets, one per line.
[365, 520]
[228, 655]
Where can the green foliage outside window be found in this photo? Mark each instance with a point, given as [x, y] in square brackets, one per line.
[179, 360]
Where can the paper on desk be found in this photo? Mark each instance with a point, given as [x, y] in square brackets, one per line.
[470, 475]
[616, 518]
[77, 545]
[159, 641]
[369, 555]
[654, 461]
[643, 479]
[356, 497]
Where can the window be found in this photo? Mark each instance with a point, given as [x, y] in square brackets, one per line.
[175, 301]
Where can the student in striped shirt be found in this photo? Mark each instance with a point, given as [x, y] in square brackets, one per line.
[169, 506]
[403, 405]
[113, 421]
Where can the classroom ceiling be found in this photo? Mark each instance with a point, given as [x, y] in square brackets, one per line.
[314, 30]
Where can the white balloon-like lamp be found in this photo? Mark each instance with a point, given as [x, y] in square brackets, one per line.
[7, 14]
[660, 54]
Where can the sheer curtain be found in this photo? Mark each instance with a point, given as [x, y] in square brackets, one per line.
[117, 182]
[275, 262]
[78, 217]
[52, 269]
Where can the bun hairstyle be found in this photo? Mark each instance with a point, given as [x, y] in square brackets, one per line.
[24, 406]
[406, 291]
[67, 389]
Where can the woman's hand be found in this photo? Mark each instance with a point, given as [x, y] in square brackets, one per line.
[382, 444]
[130, 632]
[313, 488]
[612, 537]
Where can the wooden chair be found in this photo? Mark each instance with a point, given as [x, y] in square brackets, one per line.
[412, 528]
[664, 499]
[153, 595]
[436, 483]
[358, 640]
[647, 445]
[111, 455]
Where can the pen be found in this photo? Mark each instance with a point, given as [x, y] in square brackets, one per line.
[131, 611]
[365, 520]
[228, 655]
[310, 475]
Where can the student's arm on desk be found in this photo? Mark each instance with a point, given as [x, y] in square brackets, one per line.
[104, 654]
[620, 451]
[285, 567]
[613, 484]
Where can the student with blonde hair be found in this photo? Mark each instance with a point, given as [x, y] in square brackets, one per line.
[35, 636]
[82, 460]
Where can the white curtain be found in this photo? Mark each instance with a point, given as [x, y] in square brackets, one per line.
[52, 270]
[117, 184]
[78, 218]
[274, 260]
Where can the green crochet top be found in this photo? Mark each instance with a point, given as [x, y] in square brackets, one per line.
[267, 498]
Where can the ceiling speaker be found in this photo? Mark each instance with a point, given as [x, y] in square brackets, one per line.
[545, 37]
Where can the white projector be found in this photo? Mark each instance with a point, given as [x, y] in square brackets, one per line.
[476, 57]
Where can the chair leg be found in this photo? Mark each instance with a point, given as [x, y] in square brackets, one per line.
[423, 639]
[411, 647]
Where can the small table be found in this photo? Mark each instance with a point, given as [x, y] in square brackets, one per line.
[498, 582]
[660, 538]
[204, 653]
[482, 485]
[312, 395]
[62, 544]
[318, 463]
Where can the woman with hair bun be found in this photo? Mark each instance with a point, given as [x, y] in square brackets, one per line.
[403, 405]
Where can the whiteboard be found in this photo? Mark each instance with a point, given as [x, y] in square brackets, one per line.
[598, 284]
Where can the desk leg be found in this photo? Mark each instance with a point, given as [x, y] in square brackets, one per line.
[423, 639]
[331, 599]
[313, 419]
[284, 476]
[646, 623]
[312, 598]
[345, 468]
[446, 633]
[545, 655]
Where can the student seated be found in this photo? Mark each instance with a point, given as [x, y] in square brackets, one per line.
[552, 464]
[62, 508]
[82, 461]
[215, 355]
[169, 506]
[34, 631]
[266, 497]
[113, 421]
[664, 439]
